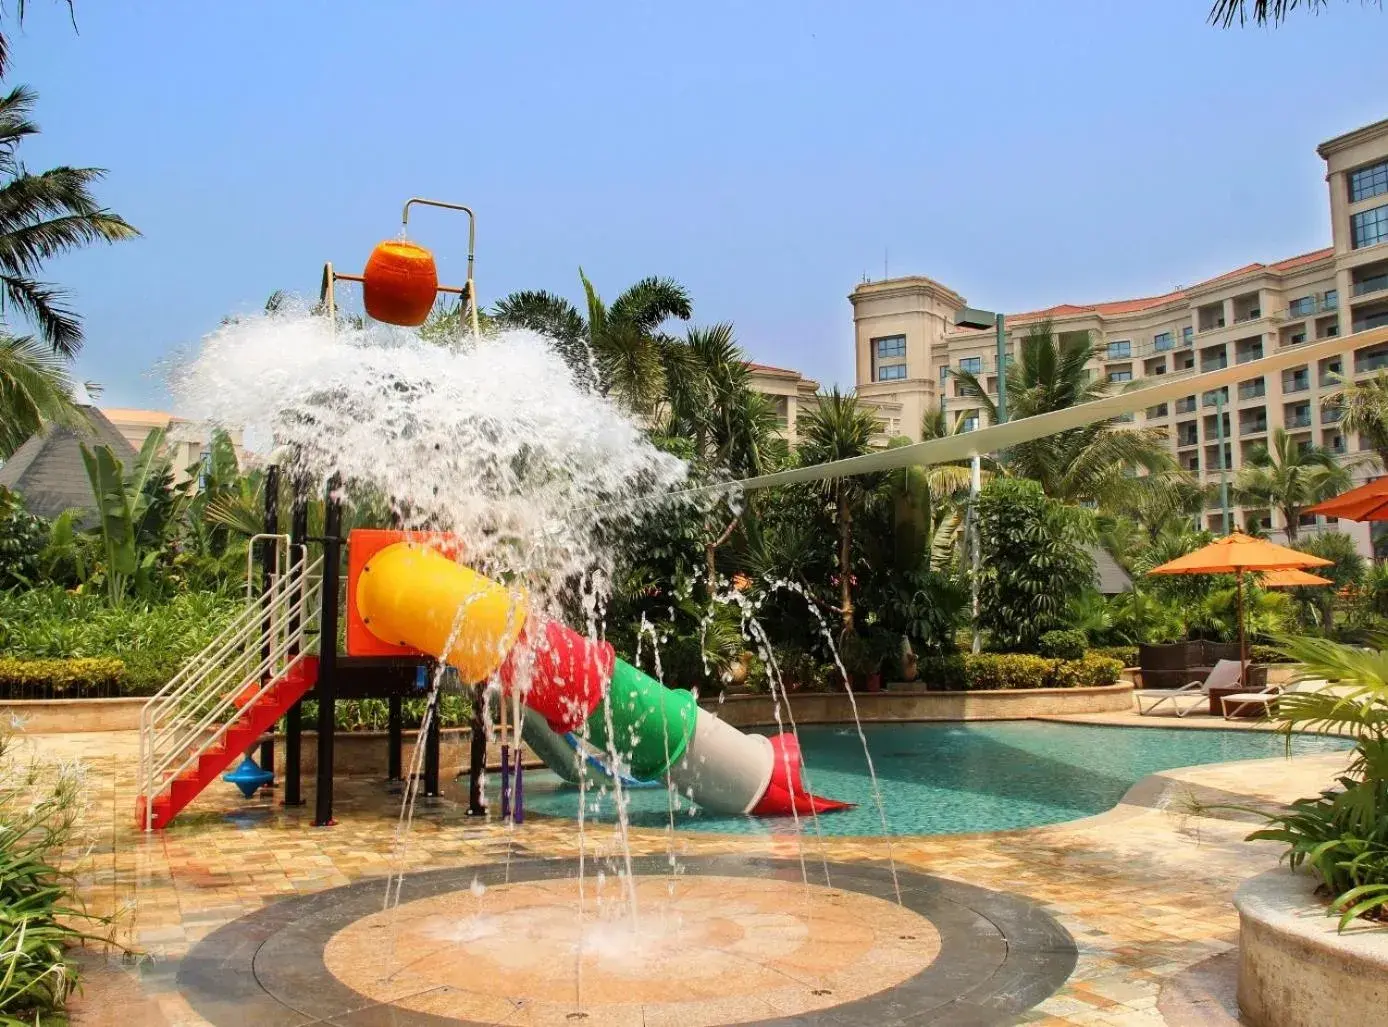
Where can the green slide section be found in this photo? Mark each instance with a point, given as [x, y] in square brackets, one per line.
[644, 715]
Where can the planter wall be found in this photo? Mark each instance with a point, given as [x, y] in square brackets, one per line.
[1295, 969]
[55, 716]
[898, 704]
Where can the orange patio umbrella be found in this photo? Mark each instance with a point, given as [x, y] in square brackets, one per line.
[1368, 502]
[1234, 554]
[1292, 578]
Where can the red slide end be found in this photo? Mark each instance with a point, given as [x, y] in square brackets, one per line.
[786, 795]
[568, 676]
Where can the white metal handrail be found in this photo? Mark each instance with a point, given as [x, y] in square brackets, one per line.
[196, 708]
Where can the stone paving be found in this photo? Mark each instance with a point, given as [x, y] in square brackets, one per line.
[1144, 889]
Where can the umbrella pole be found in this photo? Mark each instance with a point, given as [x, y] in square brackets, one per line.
[1243, 652]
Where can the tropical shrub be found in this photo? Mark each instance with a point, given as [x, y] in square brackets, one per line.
[1035, 564]
[40, 814]
[22, 538]
[151, 639]
[1342, 834]
[62, 678]
[374, 714]
[1065, 644]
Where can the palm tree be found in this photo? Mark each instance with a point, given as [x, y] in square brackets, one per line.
[1365, 412]
[1225, 13]
[42, 216]
[1289, 476]
[34, 389]
[1093, 463]
[618, 348]
[838, 428]
[709, 400]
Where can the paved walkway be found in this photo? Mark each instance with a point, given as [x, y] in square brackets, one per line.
[1144, 889]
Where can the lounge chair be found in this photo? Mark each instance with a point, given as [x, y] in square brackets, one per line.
[1224, 674]
[1267, 698]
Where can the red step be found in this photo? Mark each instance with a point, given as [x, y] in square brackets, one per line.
[249, 724]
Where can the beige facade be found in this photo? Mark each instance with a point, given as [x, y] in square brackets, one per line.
[789, 392]
[907, 346]
[186, 443]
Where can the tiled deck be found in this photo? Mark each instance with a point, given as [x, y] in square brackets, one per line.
[1144, 889]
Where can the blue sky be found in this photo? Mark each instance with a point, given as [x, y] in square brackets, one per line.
[767, 154]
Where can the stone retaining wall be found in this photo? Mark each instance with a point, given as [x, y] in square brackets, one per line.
[1295, 969]
[54, 716]
[897, 704]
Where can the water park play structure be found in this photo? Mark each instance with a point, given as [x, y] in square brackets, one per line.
[411, 605]
[257, 672]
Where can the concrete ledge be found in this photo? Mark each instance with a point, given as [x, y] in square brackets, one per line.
[56, 716]
[1295, 970]
[897, 705]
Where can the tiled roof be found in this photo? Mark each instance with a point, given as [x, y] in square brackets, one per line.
[1148, 302]
[48, 472]
[768, 367]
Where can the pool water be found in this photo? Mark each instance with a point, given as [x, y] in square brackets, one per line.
[954, 778]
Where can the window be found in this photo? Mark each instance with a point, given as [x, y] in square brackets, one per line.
[1160, 410]
[970, 423]
[1120, 350]
[1332, 299]
[1187, 334]
[1163, 342]
[1297, 338]
[891, 346]
[1158, 368]
[891, 372]
[1370, 181]
[1301, 306]
[1120, 376]
[944, 373]
[973, 365]
[1369, 227]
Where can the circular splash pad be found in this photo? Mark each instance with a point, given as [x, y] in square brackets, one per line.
[726, 940]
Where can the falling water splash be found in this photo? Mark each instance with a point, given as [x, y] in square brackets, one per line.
[857, 722]
[495, 441]
[672, 800]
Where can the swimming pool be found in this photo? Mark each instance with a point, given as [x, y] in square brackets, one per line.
[955, 778]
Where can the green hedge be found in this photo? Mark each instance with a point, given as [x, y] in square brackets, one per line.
[1124, 654]
[72, 678]
[991, 671]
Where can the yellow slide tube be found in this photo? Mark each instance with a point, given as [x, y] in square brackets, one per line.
[412, 595]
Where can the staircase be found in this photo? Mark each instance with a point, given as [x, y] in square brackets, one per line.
[223, 699]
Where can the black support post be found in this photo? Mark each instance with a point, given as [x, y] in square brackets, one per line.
[327, 654]
[270, 568]
[293, 720]
[431, 743]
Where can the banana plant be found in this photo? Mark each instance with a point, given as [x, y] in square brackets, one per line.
[130, 512]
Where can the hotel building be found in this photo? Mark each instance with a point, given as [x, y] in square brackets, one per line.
[907, 345]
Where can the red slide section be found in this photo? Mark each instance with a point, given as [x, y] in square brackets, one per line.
[786, 794]
[569, 675]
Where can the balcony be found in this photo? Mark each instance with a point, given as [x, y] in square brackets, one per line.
[1253, 428]
[1249, 315]
[1185, 406]
[1214, 399]
[1301, 420]
[1298, 384]
[1309, 306]
[1217, 364]
[1184, 439]
[1252, 353]
[1330, 415]
[1367, 285]
[1253, 390]
[1374, 360]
